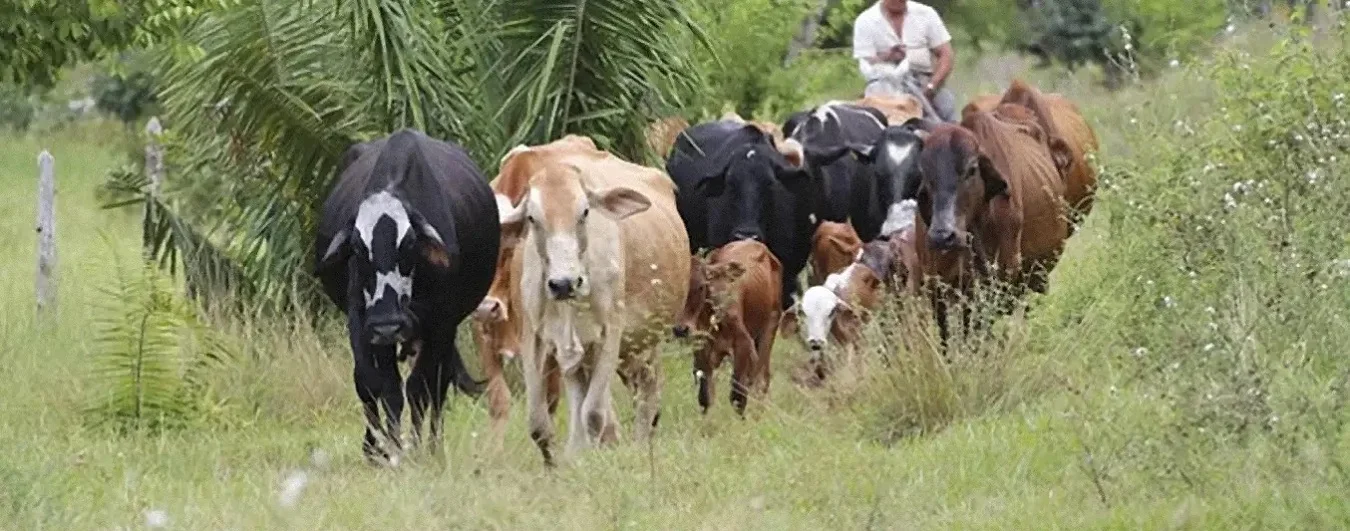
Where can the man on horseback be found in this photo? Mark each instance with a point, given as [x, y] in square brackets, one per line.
[903, 47]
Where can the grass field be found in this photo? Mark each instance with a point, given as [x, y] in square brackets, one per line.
[1072, 420]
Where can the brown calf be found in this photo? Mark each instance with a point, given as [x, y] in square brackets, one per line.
[833, 247]
[737, 294]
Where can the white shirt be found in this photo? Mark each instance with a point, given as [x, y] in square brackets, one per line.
[872, 34]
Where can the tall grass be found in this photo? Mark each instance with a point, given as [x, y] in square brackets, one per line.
[1185, 369]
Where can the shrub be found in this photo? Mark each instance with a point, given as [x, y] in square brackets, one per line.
[1230, 269]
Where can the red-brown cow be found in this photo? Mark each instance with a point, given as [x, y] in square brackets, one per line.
[833, 247]
[737, 295]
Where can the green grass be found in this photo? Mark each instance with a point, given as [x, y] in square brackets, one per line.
[1058, 428]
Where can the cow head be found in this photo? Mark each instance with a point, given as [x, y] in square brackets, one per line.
[957, 180]
[555, 213]
[750, 181]
[696, 312]
[825, 313]
[384, 246]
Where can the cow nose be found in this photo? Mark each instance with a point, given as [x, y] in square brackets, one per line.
[489, 310]
[681, 330]
[384, 334]
[387, 331]
[815, 344]
[562, 288]
[746, 235]
[942, 239]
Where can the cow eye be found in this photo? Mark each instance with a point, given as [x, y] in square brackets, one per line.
[530, 219]
[585, 212]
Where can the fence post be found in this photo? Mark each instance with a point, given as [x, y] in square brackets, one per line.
[154, 170]
[46, 232]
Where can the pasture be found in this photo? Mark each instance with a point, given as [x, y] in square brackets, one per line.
[1187, 368]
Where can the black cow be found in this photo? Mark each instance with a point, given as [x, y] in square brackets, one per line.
[881, 171]
[850, 189]
[734, 184]
[407, 247]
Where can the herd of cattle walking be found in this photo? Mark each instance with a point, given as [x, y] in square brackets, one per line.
[581, 264]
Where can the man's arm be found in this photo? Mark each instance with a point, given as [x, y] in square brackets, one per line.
[942, 56]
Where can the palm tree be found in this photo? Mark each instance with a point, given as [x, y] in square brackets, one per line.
[263, 96]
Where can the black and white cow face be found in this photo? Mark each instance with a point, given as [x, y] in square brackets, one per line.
[385, 245]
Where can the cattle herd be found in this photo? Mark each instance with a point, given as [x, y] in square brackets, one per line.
[582, 264]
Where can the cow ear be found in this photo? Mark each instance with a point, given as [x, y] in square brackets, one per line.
[845, 247]
[512, 219]
[339, 249]
[865, 152]
[1061, 154]
[434, 247]
[734, 270]
[994, 183]
[793, 152]
[619, 203]
[846, 317]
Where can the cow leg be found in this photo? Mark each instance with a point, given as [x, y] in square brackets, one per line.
[790, 289]
[707, 380]
[574, 382]
[944, 331]
[597, 402]
[391, 394]
[642, 375]
[429, 384]
[764, 348]
[742, 371]
[553, 382]
[367, 384]
[498, 392]
[538, 419]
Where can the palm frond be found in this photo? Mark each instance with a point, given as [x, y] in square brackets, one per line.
[151, 353]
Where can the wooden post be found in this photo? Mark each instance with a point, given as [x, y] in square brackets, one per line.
[46, 232]
[154, 155]
[154, 170]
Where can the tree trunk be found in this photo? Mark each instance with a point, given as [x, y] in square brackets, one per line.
[806, 35]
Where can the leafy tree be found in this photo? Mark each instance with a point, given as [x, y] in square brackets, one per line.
[1074, 32]
[126, 95]
[39, 37]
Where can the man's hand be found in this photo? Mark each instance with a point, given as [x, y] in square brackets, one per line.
[894, 55]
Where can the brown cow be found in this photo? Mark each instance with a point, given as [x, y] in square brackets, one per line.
[898, 108]
[833, 247]
[1058, 117]
[983, 102]
[738, 294]
[603, 273]
[1061, 118]
[990, 192]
